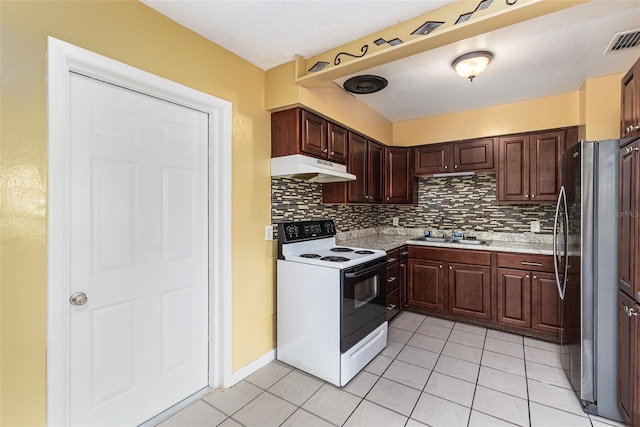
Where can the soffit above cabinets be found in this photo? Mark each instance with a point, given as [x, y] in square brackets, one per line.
[547, 55]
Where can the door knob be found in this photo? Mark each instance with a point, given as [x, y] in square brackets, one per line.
[79, 298]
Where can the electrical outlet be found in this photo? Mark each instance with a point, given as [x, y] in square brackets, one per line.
[395, 221]
[535, 226]
[268, 232]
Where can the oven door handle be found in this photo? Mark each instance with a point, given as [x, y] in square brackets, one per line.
[366, 271]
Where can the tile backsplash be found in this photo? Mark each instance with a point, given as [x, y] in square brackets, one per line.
[462, 203]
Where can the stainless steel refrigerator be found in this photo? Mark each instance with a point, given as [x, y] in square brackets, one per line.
[586, 261]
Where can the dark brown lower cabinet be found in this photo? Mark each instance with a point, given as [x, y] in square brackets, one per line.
[469, 290]
[545, 302]
[627, 359]
[426, 286]
[396, 281]
[514, 296]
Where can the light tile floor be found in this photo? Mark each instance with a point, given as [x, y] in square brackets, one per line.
[433, 372]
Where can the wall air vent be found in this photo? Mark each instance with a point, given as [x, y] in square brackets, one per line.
[622, 41]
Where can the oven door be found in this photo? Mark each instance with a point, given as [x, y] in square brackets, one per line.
[363, 292]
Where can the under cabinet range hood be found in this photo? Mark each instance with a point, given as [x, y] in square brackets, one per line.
[309, 169]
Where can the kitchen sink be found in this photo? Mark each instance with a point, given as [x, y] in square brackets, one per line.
[450, 240]
[469, 241]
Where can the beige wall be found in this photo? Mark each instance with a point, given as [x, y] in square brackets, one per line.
[327, 99]
[543, 113]
[134, 34]
[600, 107]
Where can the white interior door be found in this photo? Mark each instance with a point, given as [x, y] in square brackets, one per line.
[137, 186]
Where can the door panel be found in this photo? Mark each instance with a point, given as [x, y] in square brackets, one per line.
[426, 284]
[356, 190]
[473, 155]
[627, 223]
[546, 165]
[375, 171]
[470, 290]
[545, 302]
[627, 353]
[138, 250]
[513, 168]
[338, 140]
[314, 134]
[432, 158]
[514, 297]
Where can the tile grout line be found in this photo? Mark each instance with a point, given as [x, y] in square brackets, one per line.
[475, 389]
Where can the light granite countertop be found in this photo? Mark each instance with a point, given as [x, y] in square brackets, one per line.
[389, 239]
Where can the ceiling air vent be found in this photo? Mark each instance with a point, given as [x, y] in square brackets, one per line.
[622, 41]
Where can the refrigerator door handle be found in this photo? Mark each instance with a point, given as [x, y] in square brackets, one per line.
[566, 246]
[555, 243]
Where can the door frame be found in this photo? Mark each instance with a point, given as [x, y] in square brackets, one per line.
[64, 58]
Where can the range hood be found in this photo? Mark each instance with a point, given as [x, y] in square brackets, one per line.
[309, 169]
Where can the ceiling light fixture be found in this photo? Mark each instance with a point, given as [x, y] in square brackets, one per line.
[471, 64]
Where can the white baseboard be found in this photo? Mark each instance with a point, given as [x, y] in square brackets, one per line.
[252, 367]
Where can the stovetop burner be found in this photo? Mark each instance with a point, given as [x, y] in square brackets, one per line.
[364, 252]
[310, 256]
[341, 249]
[334, 258]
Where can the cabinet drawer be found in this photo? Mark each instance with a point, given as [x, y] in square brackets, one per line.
[393, 280]
[466, 256]
[393, 255]
[526, 262]
[393, 304]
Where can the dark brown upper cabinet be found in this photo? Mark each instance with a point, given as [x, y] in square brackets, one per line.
[628, 221]
[459, 156]
[366, 162]
[400, 183]
[529, 167]
[630, 105]
[297, 131]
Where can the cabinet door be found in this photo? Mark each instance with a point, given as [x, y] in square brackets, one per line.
[545, 165]
[514, 297]
[630, 105]
[432, 158]
[513, 169]
[627, 358]
[473, 155]
[628, 221]
[357, 165]
[399, 179]
[375, 171]
[337, 142]
[545, 302]
[426, 284]
[470, 290]
[314, 134]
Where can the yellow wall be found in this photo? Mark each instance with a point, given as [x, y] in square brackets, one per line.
[542, 113]
[601, 110]
[327, 99]
[134, 34]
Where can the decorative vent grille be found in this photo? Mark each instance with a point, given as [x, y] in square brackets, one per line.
[622, 41]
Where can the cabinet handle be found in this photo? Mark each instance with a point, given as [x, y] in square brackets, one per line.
[440, 265]
[535, 277]
[391, 279]
[391, 260]
[527, 276]
[391, 306]
[450, 268]
[446, 167]
[455, 167]
[526, 196]
[630, 312]
[332, 153]
[536, 264]
[325, 150]
[404, 253]
[533, 196]
[632, 128]
[628, 150]
[387, 199]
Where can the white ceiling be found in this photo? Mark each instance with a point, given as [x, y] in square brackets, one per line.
[549, 55]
